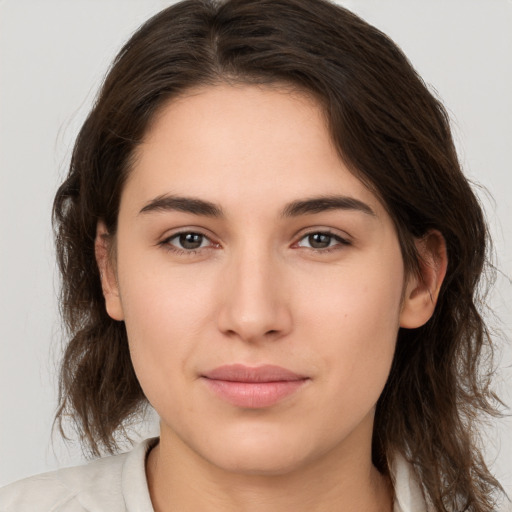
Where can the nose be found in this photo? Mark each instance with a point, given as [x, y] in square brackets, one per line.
[255, 305]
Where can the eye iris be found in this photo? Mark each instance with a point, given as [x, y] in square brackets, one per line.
[191, 240]
[319, 240]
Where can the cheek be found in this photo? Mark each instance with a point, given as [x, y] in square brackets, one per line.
[164, 314]
[354, 320]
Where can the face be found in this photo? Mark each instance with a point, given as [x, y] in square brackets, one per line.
[259, 280]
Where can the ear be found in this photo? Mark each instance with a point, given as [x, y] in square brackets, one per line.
[422, 289]
[103, 253]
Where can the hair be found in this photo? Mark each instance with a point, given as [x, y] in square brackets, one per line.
[395, 137]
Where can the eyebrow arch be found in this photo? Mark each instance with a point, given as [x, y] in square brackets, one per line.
[195, 206]
[325, 203]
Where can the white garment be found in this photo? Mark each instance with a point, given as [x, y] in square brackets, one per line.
[118, 484]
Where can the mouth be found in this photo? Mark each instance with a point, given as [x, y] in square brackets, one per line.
[253, 387]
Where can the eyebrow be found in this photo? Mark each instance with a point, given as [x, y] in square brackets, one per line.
[165, 203]
[326, 203]
[204, 208]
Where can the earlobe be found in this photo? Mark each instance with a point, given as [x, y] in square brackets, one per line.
[103, 253]
[422, 288]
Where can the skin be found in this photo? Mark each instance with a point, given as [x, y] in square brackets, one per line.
[257, 292]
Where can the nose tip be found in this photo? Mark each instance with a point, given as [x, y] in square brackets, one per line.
[252, 329]
[254, 305]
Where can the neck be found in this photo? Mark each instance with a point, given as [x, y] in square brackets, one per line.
[180, 481]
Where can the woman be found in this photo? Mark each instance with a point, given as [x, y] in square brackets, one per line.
[265, 233]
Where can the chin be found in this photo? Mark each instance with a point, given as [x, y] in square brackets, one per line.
[264, 455]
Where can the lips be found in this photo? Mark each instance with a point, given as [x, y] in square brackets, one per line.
[253, 387]
[241, 373]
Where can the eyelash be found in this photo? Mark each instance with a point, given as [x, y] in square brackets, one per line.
[341, 242]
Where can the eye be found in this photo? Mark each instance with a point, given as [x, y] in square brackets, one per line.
[321, 240]
[188, 241]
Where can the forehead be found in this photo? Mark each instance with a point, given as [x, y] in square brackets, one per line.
[242, 144]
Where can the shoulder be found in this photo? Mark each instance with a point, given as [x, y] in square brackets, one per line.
[102, 485]
[70, 489]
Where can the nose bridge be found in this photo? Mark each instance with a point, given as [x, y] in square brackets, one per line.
[254, 305]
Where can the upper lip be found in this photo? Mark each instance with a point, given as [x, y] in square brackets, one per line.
[242, 373]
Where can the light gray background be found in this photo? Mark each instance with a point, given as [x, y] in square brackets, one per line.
[53, 54]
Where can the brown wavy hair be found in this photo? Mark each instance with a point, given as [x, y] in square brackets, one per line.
[392, 133]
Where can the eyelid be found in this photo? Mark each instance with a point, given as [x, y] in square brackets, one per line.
[336, 233]
[183, 230]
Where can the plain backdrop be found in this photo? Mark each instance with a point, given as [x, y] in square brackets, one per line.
[53, 55]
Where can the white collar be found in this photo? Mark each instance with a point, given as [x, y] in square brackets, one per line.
[409, 495]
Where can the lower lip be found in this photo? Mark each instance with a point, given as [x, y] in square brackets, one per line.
[254, 395]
